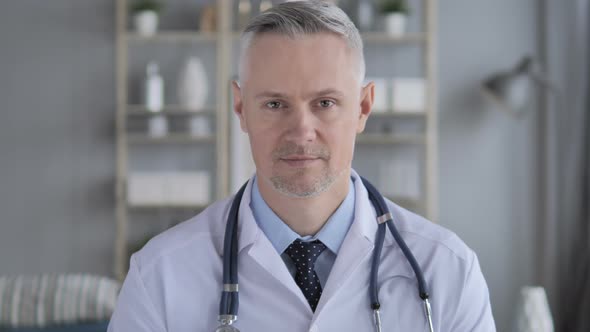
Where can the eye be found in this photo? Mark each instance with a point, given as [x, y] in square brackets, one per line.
[273, 104]
[326, 103]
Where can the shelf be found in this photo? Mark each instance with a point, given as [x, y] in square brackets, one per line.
[398, 114]
[168, 206]
[405, 201]
[141, 110]
[381, 37]
[174, 36]
[390, 139]
[169, 139]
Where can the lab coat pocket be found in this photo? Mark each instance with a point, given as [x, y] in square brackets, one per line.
[401, 307]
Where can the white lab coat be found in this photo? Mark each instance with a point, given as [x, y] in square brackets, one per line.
[174, 282]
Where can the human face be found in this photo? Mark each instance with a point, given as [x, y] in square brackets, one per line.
[301, 103]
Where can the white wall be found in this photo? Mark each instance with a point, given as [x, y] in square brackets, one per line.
[487, 159]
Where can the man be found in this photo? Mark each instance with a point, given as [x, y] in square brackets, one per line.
[301, 101]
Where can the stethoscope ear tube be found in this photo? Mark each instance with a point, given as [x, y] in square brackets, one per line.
[381, 207]
[422, 287]
[375, 305]
[384, 217]
[228, 306]
[374, 293]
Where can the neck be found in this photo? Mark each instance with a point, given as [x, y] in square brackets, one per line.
[306, 216]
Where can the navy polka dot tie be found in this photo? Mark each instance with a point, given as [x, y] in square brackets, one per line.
[304, 255]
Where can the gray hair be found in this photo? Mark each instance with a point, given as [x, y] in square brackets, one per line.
[296, 18]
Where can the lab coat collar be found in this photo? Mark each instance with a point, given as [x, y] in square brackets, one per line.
[356, 248]
[357, 245]
[331, 234]
[260, 249]
[248, 230]
[365, 219]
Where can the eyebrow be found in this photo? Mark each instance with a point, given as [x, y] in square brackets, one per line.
[273, 94]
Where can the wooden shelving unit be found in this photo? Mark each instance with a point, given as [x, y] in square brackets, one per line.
[172, 110]
[222, 41]
[169, 139]
[166, 206]
[174, 36]
[379, 37]
[394, 114]
[125, 39]
[374, 139]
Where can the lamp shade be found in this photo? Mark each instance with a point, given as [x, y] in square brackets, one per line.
[511, 90]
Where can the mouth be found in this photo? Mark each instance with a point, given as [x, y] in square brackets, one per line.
[300, 160]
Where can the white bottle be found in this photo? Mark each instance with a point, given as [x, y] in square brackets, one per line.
[157, 126]
[193, 85]
[153, 89]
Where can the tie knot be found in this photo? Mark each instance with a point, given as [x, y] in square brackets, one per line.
[305, 253]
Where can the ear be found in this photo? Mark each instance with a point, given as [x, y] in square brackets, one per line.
[367, 97]
[238, 106]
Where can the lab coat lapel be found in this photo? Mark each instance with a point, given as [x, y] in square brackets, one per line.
[254, 243]
[267, 258]
[356, 248]
[353, 252]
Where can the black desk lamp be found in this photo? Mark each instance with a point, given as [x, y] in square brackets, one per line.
[512, 89]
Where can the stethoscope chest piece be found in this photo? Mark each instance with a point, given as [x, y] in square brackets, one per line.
[226, 328]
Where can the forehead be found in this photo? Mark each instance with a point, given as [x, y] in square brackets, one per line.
[311, 61]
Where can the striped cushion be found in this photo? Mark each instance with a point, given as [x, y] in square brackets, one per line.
[47, 300]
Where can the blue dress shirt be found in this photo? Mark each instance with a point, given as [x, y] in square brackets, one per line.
[281, 236]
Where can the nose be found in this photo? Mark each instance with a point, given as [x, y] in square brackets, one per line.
[302, 126]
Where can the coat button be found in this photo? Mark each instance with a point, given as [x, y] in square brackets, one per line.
[314, 328]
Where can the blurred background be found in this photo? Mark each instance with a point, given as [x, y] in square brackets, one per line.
[116, 124]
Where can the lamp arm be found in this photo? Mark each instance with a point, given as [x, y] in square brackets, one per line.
[542, 80]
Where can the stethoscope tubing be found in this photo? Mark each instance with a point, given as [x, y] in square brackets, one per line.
[381, 207]
[229, 303]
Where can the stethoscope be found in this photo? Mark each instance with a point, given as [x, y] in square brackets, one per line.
[228, 307]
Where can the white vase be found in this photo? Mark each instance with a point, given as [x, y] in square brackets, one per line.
[395, 24]
[193, 86]
[199, 126]
[381, 98]
[533, 314]
[146, 22]
[157, 126]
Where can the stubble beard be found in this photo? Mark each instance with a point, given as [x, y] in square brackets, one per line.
[295, 184]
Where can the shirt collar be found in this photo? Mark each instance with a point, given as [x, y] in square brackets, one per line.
[281, 236]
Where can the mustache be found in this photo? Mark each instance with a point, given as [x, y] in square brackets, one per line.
[294, 149]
